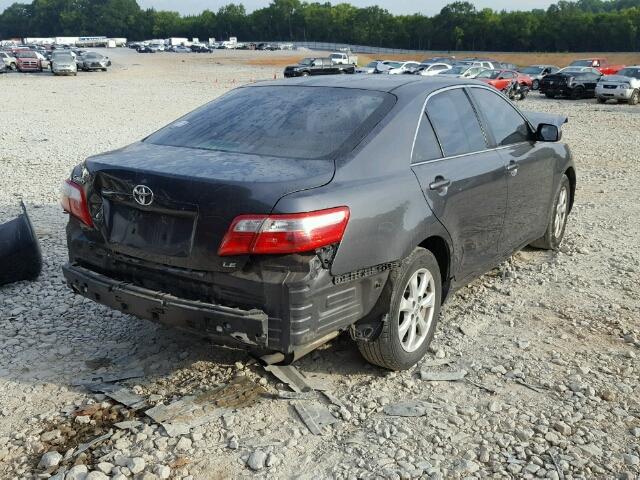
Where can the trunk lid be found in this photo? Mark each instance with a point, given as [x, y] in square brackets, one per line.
[187, 198]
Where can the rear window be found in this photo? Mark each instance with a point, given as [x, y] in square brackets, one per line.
[293, 122]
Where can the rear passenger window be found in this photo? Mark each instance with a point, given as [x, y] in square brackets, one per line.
[504, 122]
[426, 146]
[455, 123]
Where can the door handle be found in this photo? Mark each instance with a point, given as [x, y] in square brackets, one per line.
[439, 183]
[512, 168]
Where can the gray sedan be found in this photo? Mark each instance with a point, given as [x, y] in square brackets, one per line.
[93, 61]
[286, 212]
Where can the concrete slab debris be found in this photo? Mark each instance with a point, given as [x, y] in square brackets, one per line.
[110, 377]
[408, 408]
[119, 394]
[128, 425]
[442, 376]
[189, 412]
[86, 446]
[333, 399]
[315, 417]
[290, 376]
[297, 395]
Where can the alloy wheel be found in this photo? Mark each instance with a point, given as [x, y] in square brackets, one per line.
[561, 212]
[416, 311]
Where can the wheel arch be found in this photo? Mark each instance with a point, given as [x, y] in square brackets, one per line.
[440, 249]
[571, 174]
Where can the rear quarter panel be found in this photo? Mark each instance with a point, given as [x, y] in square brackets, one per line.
[389, 215]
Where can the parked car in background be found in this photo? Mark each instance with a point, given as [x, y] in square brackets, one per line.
[508, 66]
[344, 58]
[462, 71]
[64, 63]
[430, 69]
[623, 86]
[483, 62]
[445, 59]
[502, 79]
[9, 60]
[93, 61]
[27, 61]
[201, 49]
[43, 60]
[180, 49]
[536, 72]
[369, 68]
[600, 64]
[3, 68]
[317, 66]
[267, 231]
[146, 49]
[572, 82]
[405, 68]
[267, 47]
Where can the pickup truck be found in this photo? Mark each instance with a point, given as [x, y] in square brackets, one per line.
[317, 66]
[344, 58]
[600, 64]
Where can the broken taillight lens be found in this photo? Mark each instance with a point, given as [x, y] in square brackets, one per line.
[74, 201]
[284, 234]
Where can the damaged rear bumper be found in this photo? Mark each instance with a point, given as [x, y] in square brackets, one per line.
[226, 324]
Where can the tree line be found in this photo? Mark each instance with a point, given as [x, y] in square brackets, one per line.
[584, 25]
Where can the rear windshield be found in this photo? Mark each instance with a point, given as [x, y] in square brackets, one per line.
[582, 63]
[294, 122]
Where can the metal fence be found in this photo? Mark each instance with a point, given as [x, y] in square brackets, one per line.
[328, 46]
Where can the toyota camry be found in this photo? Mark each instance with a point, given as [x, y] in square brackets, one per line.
[285, 212]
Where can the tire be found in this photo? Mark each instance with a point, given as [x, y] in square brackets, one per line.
[635, 97]
[305, 74]
[535, 85]
[13, 66]
[602, 100]
[389, 350]
[556, 226]
[577, 93]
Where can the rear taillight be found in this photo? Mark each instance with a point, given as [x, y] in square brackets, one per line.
[283, 234]
[74, 201]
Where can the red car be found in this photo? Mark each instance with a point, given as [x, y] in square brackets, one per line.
[501, 79]
[601, 64]
[28, 61]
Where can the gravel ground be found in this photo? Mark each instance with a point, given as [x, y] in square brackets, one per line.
[550, 341]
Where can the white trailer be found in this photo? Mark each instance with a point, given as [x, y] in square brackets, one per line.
[175, 41]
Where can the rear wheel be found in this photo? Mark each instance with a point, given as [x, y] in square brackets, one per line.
[557, 218]
[635, 98]
[408, 328]
[577, 93]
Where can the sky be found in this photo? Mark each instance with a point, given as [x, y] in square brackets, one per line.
[428, 7]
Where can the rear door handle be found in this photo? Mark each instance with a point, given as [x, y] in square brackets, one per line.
[512, 168]
[439, 183]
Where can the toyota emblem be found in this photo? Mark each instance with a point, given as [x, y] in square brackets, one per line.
[143, 195]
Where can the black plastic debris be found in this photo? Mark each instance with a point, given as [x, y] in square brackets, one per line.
[20, 256]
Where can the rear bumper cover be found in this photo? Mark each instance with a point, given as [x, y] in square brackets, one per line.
[248, 327]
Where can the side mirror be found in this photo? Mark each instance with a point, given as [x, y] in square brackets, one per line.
[548, 133]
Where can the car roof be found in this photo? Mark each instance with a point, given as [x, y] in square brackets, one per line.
[380, 83]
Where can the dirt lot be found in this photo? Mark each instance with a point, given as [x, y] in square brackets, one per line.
[550, 341]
